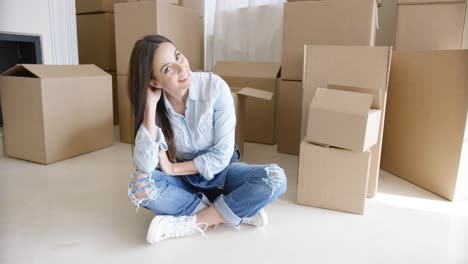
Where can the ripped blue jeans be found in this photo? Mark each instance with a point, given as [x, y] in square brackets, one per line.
[246, 190]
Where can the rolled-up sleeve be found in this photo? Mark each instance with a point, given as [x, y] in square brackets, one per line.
[217, 157]
[145, 154]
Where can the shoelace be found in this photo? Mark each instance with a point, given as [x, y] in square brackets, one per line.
[183, 228]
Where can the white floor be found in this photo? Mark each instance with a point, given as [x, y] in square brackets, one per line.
[77, 211]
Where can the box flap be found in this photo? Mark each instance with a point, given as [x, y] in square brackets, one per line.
[55, 71]
[251, 92]
[247, 69]
[425, 2]
[376, 103]
[342, 101]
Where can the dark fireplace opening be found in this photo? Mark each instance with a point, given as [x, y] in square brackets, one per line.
[17, 49]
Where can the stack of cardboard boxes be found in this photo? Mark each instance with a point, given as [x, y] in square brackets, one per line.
[96, 38]
[330, 22]
[352, 121]
[133, 21]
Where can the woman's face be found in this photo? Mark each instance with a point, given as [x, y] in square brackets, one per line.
[171, 69]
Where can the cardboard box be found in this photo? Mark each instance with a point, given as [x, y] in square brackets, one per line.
[324, 23]
[115, 108]
[366, 67]
[94, 6]
[430, 25]
[96, 40]
[135, 20]
[343, 119]
[240, 98]
[288, 130]
[196, 5]
[48, 114]
[426, 130]
[260, 121]
[125, 111]
[321, 183]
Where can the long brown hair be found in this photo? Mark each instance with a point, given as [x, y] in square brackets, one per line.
[140, 74]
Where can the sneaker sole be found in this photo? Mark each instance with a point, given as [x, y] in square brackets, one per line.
[263, 215]
[153, 227]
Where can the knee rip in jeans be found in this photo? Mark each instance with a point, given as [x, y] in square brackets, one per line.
[275, 177]
[142, 188]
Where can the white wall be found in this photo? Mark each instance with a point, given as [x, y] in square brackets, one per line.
[53, 20]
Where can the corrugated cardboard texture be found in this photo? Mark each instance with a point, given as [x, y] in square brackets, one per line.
[430, 27]
[96, 40]
[343, 119]
[322, 183]
[426, 124]
[58, 121]
[324, 23]
[260, 120]
[125, 120]
[114, 98]
[366, 67]
[289, 117]
[135, 20]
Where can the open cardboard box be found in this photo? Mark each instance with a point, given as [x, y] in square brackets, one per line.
[241, 96]
[260, 118]
[48, 115]
[343, 119]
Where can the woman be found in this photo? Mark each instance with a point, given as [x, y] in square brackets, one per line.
[185, 123]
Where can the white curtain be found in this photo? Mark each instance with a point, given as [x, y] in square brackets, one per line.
[247, 30]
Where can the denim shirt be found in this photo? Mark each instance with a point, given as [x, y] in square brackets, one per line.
[205, 134]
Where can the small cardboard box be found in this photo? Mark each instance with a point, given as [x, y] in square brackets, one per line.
[430, 25]
[48, 114]
[94, 6]
[135, 20]
[324, 23]
[260, 120]
[367, 67]
[343, 119]
[426, 127]
[125, 111]
[288, 130]
[96, 40]
[332, 178]
[240, 98]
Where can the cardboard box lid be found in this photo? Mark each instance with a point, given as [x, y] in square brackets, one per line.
[54, 71]
[342, 101]
[94, 6]
[425, 2]
[247, 69]
[377, 93]
[251, 92]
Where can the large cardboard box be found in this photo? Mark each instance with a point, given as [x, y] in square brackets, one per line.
[260, 121]
[366, 67]
[240, 96]
[48, 114]
[96, 40]
[115, 108]
[343, 119]
[125, 111]
[331, 22]
[288, 130]
[426, 130]
[430, 25]
[332, 178]
[135, 20]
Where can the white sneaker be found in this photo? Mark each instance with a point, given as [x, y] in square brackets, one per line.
[167, 226]
[259, 219]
